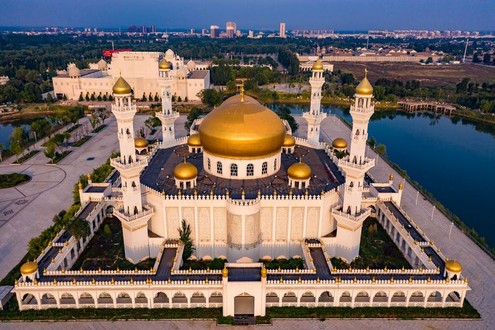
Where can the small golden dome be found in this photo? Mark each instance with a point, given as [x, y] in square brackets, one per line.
[185, 171]
[401, 186]
[242, 129]
[121, 87]
[391, 177]
[364, 87]
[299, 171]
[453, 266]
[289, 141]
[140, 142]
[225, 272]
[318, 65]
[339, 143]
[194, 141]
[29, 267]
[164, 65]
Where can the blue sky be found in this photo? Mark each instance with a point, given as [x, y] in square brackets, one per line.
[254, 14]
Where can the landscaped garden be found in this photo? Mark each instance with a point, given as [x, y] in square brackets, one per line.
[202, 264]
[282, 263]
[106, 250]
[13, 179]
[377, 250]
[30, 154]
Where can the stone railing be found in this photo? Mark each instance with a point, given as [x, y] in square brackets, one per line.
[110, 283]
[415, 271]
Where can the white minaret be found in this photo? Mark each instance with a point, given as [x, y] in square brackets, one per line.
[350, 215]
[314, 117]
[167, 116]
[132, 214]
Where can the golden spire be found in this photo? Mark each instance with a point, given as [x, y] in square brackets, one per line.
[225, 272]
[240, 84]
[263, 272]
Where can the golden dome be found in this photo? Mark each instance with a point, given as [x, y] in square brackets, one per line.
[242, 130]
[164, 65]
[140, 142]
[29, 267]
[289, 141]
[194, 141]
[364, 87]
[299, 171]
[318, 65]
[453, 266]
[185, 171]
[339, 143]
[121, 87]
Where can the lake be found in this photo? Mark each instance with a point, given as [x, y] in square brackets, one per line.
[452, 158]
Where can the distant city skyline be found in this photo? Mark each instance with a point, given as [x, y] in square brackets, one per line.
[255, 14]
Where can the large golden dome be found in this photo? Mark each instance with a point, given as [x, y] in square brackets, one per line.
[29, 267]
[242, 130]
[364, 87]
[121, 87]
[185, 171]
[299, 171]
[453, 266]
[140, 142]
[339, 143]
[194, 140]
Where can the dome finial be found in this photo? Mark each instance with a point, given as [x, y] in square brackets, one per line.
[365, 72]
[240, 84]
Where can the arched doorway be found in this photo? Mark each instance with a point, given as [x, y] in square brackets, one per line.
[244, 309]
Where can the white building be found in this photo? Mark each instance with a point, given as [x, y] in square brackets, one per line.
[141, 71]
[250, 191]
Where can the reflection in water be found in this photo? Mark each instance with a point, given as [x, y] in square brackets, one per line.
[452, 157]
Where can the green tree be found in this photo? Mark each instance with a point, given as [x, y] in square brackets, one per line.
[81, 98]
[179, 99]
[41, 127]
[192, 116]
[102, 114]
[486, 58]
[185, 237]
[476, 57]
[429, 60]
[17, 141]
[210, 97]
[381, 149]
[50, 150]
[372, 142]
[107, 231]
[79, 228]
[94, 120]
[283, 112]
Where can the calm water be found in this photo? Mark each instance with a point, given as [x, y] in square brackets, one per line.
[454, 159]
[7, 128]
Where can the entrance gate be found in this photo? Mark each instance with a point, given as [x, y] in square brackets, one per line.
[244, 309]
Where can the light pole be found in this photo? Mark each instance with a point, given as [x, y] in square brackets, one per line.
[451, 225]
[417, 194]
[432, 211]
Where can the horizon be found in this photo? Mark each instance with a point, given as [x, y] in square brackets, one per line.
[352, 15]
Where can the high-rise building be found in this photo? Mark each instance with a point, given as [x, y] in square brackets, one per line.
[251, 34]
[282, 31]
[214, 31]
[231, 29]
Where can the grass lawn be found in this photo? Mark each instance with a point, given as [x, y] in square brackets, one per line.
[99, 128]
[377, 250]
[106, 251]
[13, 179]
[81, 141]
[26, 156]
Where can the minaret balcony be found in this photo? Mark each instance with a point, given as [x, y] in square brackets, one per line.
[137, 165]
[362, 112]
[350, 219]
[125, 217]
[356, 168]
[163, 116]
[318, 118]
[124, 108]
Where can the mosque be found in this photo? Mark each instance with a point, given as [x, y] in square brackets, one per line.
[141, 70]
[250, 192]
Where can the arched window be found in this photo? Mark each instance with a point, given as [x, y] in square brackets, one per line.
[250, 170]
[264, 168]
[209, 164]
[219, 168]
[233, 170]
